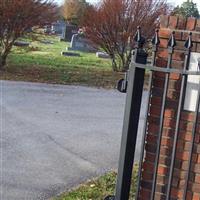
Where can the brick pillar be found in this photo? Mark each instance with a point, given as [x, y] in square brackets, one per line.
[167, 25]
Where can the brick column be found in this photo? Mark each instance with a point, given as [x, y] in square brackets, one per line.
[167, 25]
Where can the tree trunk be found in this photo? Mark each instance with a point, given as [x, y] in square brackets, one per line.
[2, 61]
[114, 65]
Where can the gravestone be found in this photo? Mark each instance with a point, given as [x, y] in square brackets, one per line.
[80, 43]
[102, 55]
[46, 42]
[58, 27]
[70, 54]
[21, 44]
[68, 31]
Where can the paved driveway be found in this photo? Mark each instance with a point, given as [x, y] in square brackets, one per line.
[54, 137]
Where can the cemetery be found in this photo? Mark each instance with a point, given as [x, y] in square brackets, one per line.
[110, 91]
[58, 65]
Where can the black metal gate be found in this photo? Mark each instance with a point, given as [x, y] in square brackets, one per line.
[134, 89]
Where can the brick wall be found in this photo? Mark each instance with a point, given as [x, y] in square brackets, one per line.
[167, 25]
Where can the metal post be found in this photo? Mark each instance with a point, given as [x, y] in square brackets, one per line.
[131, 122]
[188, 46]
[155, 42]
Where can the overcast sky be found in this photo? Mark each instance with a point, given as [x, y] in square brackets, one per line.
[173, 2]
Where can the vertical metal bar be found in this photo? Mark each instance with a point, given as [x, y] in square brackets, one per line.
[171, 45]
[129, 135]
[188, 46]
[155, 42]
[196, 115]
[130, 128]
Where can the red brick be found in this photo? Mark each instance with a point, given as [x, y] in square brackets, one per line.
[147, 176]
[145, 194]
[186, 126]
[187, 136]
[196, 196]
[179, 173]
[196, 188]
[198, 48]
[166, 142]
[178, 55]
[197, 178]
[170, 113]
[153, 128]
[183, 155]
[188, 116]
[160, 62]
[191, 22]
[151, 139]
[162, 170]
[177, 64]
[197, 28]
[148, 166]
[173, 21]
[165, 33]
[196, 168]
[189, 195]
[174, 76]
[156, 101]
[164, 21]
[165, 151]
[163, 43]
[181, 23]
[155, 110]
[175, 193]
[173, 95]
[196, 37]
[169, 123]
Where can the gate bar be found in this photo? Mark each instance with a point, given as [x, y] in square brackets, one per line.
[155, 42]
[171, 45]
[188, 46]
[166, 70]
[131, 122]
[196, 115]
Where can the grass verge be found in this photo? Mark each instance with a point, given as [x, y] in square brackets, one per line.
[75, 76]
[43, 62]
[98, 189]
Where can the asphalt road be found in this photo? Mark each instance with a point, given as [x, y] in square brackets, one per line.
[54, 137]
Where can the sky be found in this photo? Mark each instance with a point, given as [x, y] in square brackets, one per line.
[173, 2]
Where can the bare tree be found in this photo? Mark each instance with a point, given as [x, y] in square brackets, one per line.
[113, 23]
[74, 10]
[19, 16]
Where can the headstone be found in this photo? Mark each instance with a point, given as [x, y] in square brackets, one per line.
[102, 55]
[47, 42]
[80, 43]
[47, 29]
[58, 27]
[70, 54]
[68, 31]
[21, 44]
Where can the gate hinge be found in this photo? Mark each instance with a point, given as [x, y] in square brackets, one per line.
[110, 197]
[122, 84]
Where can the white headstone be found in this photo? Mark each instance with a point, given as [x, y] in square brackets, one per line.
[193, 82]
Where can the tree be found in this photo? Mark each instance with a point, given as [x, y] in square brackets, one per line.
[19, 16]
[114, 24]
[73, 10]
[187, 9]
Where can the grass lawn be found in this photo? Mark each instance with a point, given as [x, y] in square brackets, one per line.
[97, 189]
[43, 63]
